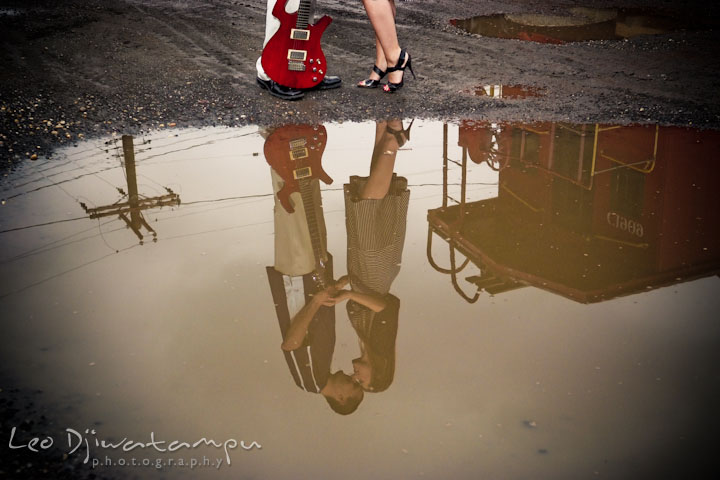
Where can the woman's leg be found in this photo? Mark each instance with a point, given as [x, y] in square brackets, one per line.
[380, 60]
[383, 161]
[382, 17]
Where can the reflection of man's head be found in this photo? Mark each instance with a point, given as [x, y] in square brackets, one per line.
[343, 394]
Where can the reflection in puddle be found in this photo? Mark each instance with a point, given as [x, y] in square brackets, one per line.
[297, 259]
[587, 211]
[509, 92]
[581, 24]
[131, 202]
[304, 288]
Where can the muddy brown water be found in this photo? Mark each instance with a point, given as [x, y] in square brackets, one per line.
[507, 92]
[558, 298]
[580, 24]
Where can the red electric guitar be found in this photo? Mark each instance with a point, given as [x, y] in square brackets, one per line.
[293, 57]
[295, 153]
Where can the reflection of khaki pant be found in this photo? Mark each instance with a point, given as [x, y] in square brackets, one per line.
[293, 248]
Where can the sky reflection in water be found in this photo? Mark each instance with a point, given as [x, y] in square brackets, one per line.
[561, 323]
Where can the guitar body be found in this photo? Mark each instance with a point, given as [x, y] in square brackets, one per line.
[293, 56]
[295, 153]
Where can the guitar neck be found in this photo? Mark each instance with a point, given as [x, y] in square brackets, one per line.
[305, 14]
[316, 237]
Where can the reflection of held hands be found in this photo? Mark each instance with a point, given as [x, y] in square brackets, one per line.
[339, 297]
[342, 282]
[333, 294]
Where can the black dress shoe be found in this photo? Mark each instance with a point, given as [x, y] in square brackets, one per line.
[329, 82]
[280, 91]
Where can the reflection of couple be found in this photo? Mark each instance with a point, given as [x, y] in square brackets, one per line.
[375, 212]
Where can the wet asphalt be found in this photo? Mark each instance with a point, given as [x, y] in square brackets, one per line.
[83, 68]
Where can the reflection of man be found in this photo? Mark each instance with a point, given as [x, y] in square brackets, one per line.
[272, 25]
[309, 340]
[306, 324]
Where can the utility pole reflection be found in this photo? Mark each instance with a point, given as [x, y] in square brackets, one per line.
[130, 211]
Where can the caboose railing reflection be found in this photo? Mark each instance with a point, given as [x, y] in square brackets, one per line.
[590, 212]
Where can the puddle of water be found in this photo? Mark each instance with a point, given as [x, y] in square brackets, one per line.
[588, 211]
[581, 24]
[508, 92]
[509, 231]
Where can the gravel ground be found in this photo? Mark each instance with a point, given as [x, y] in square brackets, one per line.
[79, 68]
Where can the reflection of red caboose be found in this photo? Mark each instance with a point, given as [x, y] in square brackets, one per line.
[588, 211]
[484, 143]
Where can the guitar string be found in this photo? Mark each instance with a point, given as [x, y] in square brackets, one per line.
[302, 21]
[312, 223]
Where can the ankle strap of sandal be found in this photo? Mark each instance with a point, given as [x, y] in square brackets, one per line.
[398, 134]
[400, 65]
[377, 70]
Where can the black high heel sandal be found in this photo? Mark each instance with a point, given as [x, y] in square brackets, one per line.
[401, 136]
[369, 82]
[404, 61]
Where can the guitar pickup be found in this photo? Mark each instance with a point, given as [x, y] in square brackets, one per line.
[300, 55]
[297, 34]
[299, 154]
[297, 143]
[302, 173]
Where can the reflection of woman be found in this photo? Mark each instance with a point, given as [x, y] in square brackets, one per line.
[375, 216]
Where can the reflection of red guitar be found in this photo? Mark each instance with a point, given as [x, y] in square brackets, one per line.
[293, 56]
[295, 153]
